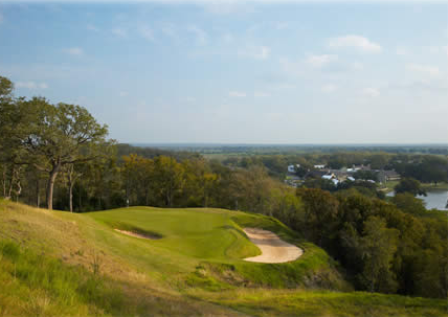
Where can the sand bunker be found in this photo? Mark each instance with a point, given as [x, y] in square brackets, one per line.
[138, 235]
[273, 249]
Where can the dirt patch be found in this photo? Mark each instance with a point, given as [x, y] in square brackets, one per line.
[139, 235]
[273, 249]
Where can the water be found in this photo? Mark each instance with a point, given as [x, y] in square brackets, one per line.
[436, 198]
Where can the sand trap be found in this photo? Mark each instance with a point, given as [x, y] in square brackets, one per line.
[273, 249]
[138, 235]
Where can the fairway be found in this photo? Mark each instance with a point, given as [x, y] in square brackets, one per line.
[197, 233]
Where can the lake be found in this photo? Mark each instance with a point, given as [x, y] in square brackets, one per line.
[436, 198]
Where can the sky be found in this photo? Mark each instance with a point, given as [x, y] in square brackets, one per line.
[238, 72]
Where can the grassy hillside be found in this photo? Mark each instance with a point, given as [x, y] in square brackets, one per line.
[77, 264]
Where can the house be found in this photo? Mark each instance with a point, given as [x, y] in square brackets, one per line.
[350, 178]
[319, 166]
[385, 176]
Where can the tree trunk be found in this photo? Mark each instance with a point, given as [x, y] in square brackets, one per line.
[70, 195]
[38, 192]
[50, 186]
[70, 183]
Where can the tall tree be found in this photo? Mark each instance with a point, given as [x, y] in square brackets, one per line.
[63, 134]
[378, 244]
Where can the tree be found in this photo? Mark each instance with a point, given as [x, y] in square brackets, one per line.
[321, 213]
[15, 123]
[409, 185]
[63, 134]
[168, 179]
[378, 247]
[408, 203]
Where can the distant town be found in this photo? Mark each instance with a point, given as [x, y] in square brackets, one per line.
[296, 175]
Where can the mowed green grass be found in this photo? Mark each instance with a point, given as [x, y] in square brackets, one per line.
[77, 264]
[207, 234]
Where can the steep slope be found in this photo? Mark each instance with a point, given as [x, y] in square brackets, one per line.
[191, 264]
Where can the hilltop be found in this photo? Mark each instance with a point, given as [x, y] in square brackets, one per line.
[191, 265]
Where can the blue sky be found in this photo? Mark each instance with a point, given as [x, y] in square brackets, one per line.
[232, 72]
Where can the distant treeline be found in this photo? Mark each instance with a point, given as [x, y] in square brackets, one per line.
[254, 149]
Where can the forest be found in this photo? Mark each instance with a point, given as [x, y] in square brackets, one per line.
[58, 156]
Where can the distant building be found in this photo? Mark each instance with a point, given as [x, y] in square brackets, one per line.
[291, 169]
[386, 176]
[319, 166]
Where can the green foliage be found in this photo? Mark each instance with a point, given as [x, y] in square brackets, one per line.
[381, 247]
[408, 203]
[409, 185]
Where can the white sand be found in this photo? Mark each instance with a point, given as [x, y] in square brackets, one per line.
[273, 249]
[134, 234]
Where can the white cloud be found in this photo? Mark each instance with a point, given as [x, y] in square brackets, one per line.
[119, 32]
[228, 38]
[360, 43]
[370, 92]
[433, 49]
[446, 50]
[319, 61]
[75, 51]
[357, 66]
[261, 52]
[401, 51]
[281, 25]
[31, 85]
[260, 94]
[147, 33]
[424, 69]
[238, 94]
[92, 27]
[201, 35]
[170, 30]
[329, 88]
[123, 93]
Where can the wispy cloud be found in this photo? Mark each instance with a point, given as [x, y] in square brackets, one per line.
[281, 25]
[1, 18]
[261, 94]
[201, 35]
[357, 42]
[170, 30]
[319, 61]
[123, 93]
[31, 85]
[260, 52]
[147, 33]
[329, 88]
[75, 51]
[424, 69]
[119, 32]
[370, 92]
[228, 38]
[238, 94]
[92, 27]
[401, 51]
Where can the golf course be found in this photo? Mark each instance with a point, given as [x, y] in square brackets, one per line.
[144, 261]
